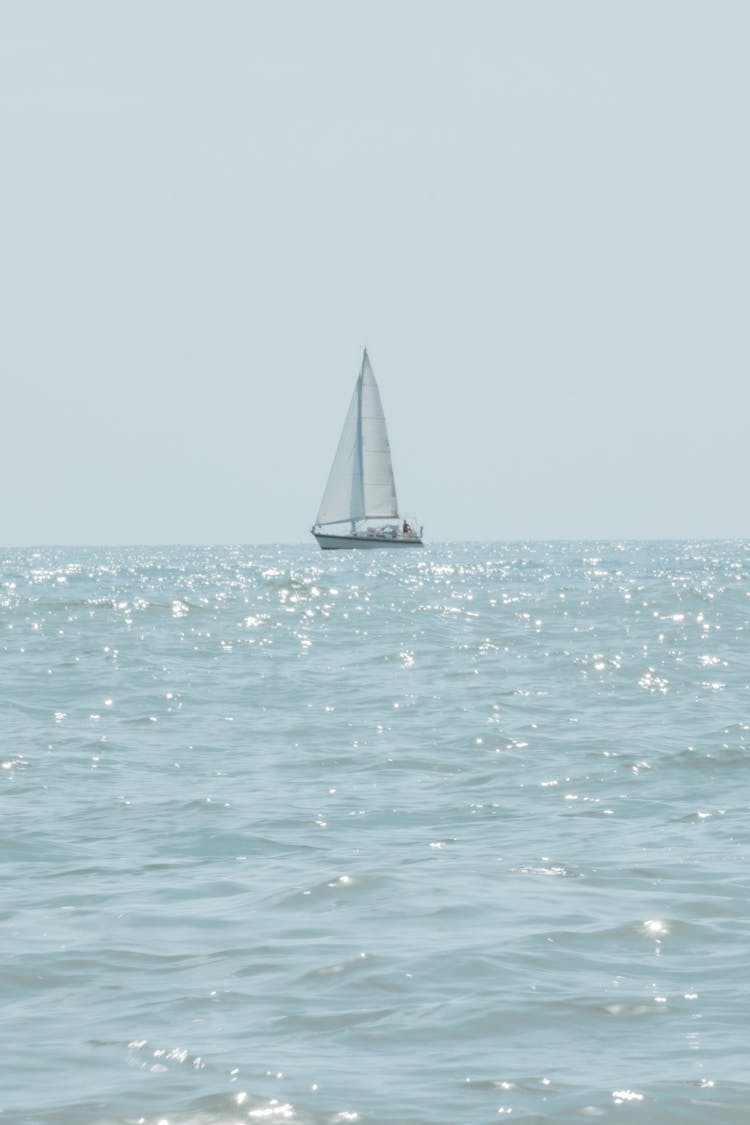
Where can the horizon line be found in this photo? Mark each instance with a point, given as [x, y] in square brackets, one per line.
[433, 542]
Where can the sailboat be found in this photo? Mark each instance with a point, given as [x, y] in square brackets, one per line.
[359, 507]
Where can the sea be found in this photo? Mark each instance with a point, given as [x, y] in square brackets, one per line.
[427, 837]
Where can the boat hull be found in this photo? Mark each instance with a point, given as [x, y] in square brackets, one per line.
[362, 542]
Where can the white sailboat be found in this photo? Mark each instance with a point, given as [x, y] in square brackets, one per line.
[359, 507]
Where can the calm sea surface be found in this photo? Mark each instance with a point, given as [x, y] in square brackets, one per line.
[430, 837]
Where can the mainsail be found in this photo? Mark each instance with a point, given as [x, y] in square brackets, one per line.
[360, 485]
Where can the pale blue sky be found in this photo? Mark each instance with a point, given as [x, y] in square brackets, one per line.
[535, 215]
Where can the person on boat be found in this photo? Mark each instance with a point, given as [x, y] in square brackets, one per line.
[407, 529]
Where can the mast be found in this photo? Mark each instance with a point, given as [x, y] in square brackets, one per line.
[358, 472]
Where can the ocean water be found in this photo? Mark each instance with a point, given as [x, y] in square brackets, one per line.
[413, 838]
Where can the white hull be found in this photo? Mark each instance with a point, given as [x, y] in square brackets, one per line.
[363, 542]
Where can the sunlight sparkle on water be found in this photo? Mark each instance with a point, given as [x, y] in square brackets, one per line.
[274, 1109]
[242, 701]
[621, 1096]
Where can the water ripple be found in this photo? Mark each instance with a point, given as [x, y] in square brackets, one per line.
[450, 838]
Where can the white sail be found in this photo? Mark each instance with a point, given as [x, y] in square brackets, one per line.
[360, 485]
[343, 498]
[378, 485]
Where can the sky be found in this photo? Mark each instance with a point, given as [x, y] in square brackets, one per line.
[534, 214]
